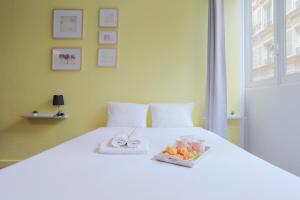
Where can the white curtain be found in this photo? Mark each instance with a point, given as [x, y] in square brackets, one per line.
[216, 90]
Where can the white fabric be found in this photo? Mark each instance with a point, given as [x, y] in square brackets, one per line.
[134, 139]
[172, 115]
[106, 148]
[216, 90]
[76, 171]
[119, 140]
[127, 115]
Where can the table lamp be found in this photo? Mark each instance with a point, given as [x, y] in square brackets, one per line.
[58, 100]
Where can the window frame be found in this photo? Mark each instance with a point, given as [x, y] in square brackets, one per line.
[248, 48]
[284, 77]
[280, 66]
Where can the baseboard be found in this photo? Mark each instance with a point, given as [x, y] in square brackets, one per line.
[5, 163]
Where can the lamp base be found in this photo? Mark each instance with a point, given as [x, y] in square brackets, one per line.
[60, 114]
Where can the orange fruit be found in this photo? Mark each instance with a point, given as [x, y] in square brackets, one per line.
[163, 153]
[187, 156]
[179, 156]
[182, 151]
[171, 150]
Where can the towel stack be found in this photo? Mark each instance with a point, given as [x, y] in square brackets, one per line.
[125, 144]
[119, 140]
[132, 140]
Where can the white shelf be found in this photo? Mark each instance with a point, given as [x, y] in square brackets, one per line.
[45, 116]
[233, 117]
[229, 117]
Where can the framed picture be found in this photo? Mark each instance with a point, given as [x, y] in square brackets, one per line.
[108, 17]
[66, 59]
[107, 57]
[108, 37]
[67, 24]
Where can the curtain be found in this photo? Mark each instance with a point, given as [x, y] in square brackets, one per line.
[216, 89]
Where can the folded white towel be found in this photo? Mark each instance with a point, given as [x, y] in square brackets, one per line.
[134, 139]
[119, 140]
[107, 148]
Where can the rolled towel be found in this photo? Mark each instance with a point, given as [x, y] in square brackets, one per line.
[119, 140]
[105, 147]
[134, 140]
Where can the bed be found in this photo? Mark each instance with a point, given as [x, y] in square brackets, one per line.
[75, 170]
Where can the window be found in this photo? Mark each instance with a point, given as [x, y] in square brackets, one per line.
[262, 40]
[272, 40]
[292, 18]
[290, 50]
[268, 13]
[289, 5]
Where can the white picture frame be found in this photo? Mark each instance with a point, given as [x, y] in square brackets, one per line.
[108, 37]
[67, 24]
[66, 59]
[108, 17]
[107, 57]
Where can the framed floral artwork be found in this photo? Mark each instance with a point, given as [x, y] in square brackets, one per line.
[66, 59]
[67, 24]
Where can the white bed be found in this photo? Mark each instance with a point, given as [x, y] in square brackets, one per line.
[75, 171]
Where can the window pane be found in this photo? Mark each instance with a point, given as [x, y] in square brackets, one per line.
[292, 36]
[262, 39]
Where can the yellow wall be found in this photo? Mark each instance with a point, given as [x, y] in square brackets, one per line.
[162, 58]
[233, 54]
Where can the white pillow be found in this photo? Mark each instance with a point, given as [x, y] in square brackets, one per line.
[172, 115]
[127, 115]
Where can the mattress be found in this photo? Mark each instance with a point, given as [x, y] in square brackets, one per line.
[75, 170]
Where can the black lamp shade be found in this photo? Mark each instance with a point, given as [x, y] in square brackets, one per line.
[58, 100]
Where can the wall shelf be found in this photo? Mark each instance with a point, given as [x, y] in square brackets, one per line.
[45, 116]
[233, 117]
[230, 117]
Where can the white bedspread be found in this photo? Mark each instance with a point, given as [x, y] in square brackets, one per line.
[75, 171]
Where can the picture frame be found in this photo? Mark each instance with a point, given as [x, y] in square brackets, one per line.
[107, 57]
[67, 23]
[108, 17]
[66, 59]
[108, 37]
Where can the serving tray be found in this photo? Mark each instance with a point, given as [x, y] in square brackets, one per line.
[177, 161]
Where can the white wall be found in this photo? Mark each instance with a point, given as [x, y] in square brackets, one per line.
[273, 125]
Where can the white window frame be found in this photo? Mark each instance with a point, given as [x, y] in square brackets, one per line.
[243, 134]
[279, 21]
[292, 36]
[292, 7]
[285, 78]
[248, 49]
